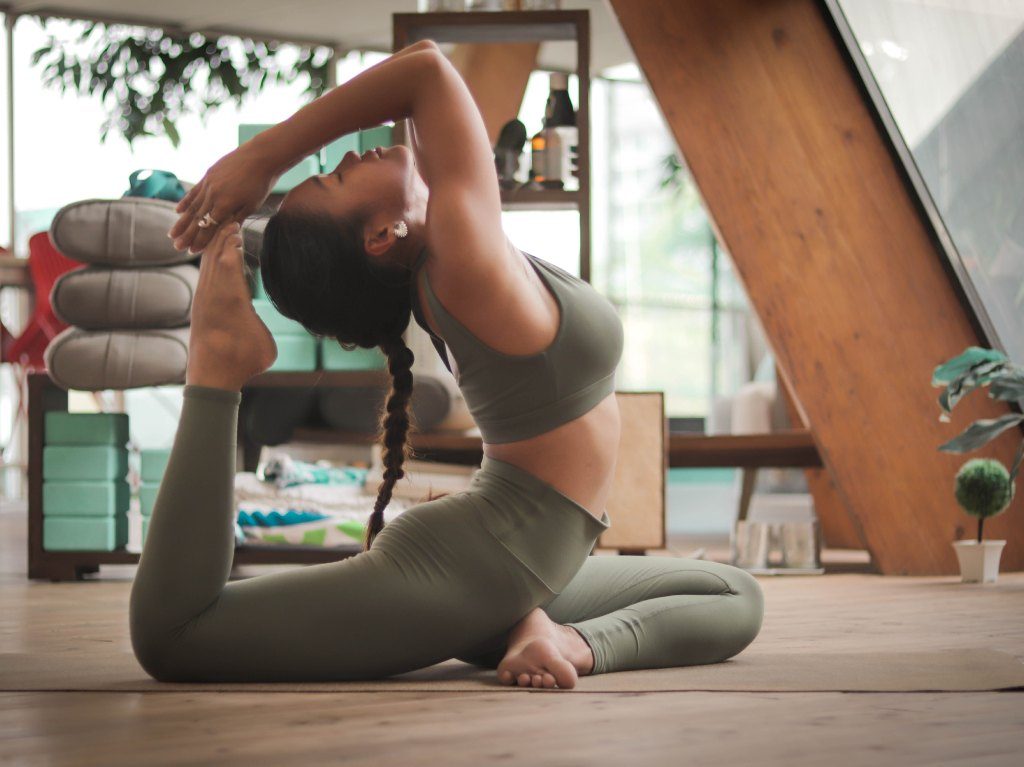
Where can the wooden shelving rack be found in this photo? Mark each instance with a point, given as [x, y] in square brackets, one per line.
[511, 27]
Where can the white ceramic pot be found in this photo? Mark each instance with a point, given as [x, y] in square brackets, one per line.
[979, 562]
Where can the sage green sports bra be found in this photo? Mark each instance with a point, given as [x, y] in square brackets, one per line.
[517, 396]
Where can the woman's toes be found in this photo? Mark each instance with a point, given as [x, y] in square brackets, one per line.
[549, 680]
[538, 680]
[505, 677]
[564, 673]
[524, 680]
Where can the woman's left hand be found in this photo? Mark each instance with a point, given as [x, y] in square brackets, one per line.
[233, 188]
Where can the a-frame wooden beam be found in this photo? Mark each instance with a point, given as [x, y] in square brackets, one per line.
[835, 257]
[496, 74]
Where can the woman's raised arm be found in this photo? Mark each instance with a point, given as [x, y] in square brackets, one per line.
[418, 82]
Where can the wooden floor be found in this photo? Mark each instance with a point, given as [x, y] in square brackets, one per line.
[827, 613]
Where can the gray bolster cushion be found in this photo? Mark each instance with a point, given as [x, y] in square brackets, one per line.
[96, 360]
[97, 297]
[126, 232]
[357, 408]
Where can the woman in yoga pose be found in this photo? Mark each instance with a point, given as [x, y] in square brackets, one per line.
[498, 575]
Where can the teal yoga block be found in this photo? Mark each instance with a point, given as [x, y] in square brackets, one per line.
[84, 462]
[276, 322]
[147, 497]
[295, 353]
[85, 499]
[334, 151]
[308, 166]
[62, 428]
[85, 533]
[372, 138]
[154, 464]
[337, 358]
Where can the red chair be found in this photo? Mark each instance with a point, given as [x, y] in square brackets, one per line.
[25, 352]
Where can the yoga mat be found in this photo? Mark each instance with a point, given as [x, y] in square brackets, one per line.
[945, 670]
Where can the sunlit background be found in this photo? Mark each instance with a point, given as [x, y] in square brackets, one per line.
[688, 326]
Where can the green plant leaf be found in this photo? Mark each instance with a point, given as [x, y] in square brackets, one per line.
[980, 433]
[1017, 461]
[957, 366]
[979, 375]
[1008, 386]
[171, 131]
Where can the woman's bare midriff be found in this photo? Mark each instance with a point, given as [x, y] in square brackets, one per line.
[576, 458]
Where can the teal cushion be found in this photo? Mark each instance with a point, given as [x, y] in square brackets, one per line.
[85, 533]
[154, 464]
[372, 138]
[334, 151]
[73, 462]
[295, 353]
[85, 499]
[276, 322]
[85, 428]
[147, 497]
[337, 358]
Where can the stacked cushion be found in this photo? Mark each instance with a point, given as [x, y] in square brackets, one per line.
[85, 492]
[153, 466]
[130, 308]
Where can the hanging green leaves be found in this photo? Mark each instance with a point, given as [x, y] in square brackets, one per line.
[149, 78]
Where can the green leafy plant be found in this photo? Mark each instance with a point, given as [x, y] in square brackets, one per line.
[149, 78]
[980, 483]
[983, 489]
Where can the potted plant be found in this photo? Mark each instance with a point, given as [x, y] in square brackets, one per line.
[983, 487]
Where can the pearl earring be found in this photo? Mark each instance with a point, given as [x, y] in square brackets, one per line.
[401, 229]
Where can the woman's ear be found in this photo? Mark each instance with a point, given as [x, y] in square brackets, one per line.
[379, 239]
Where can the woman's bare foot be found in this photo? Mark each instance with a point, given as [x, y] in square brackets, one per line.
[542, 653]
[228, 343]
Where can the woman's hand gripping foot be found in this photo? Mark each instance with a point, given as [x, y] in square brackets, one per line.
[228, 343]
[542, 653]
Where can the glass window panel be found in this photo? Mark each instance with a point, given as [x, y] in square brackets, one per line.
[951, 75]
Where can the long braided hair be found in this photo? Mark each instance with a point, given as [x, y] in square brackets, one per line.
[316, 272]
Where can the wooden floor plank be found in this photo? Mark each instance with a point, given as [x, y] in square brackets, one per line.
[832, 613]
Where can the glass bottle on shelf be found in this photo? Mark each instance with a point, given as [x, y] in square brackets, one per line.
[554, 147]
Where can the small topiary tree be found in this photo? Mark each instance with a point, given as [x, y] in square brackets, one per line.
[972, 369]
[983, 489]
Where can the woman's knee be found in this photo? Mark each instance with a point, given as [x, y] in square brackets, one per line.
[747, 602]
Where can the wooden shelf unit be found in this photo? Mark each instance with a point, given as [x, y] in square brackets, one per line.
[512, 27]
[790, 448]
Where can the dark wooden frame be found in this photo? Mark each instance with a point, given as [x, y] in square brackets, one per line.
[520, 26]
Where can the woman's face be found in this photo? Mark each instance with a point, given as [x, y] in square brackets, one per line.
[383, 179]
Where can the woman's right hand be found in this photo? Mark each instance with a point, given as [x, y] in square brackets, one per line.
[231, 190]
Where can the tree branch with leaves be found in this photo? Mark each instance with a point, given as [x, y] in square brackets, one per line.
[148, 78]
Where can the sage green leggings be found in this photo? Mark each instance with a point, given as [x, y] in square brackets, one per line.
[448, 578]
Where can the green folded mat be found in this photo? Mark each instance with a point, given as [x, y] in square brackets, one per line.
[276, 322]
[295, 353]
[145, 528]
[62, 428]
[336, 358]
[85, 499]
[306, 167]
[147, 497]
[371, 138]
[154, 464]
[84, 462]
[334, 151]
[85, 533]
